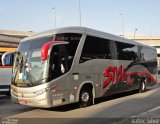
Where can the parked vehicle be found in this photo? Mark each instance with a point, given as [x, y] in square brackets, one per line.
[6, 71]
[77, 64]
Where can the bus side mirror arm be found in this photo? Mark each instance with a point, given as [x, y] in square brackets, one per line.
[4, 57]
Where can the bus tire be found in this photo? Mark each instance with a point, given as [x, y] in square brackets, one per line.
[85, 97]
[8, 93]
[142, 88]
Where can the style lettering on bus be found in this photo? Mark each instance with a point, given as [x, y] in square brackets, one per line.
[115, 75]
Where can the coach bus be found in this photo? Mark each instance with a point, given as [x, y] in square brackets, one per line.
[6, 71]
[77, 65]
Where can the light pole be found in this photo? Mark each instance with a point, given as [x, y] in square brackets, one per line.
[79, 4]
[55, 16]
[135, 33]
[122, 24]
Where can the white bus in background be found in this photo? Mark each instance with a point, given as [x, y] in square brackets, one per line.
[5, 71]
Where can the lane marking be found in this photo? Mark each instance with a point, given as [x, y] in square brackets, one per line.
[149, 111]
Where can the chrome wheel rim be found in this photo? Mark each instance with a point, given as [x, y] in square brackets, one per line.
[85, 97]
[143, 86]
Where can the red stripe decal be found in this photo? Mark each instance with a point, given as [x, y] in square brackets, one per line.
[5, 66]
[114, 75]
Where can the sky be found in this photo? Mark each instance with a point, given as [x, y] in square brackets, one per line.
[105, 15]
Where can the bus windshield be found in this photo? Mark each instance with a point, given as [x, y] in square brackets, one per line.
[29, 69]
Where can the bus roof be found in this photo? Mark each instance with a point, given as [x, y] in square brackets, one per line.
[83, 30]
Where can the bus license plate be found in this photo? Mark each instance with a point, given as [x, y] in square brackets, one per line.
[23, 102]
[57, 102]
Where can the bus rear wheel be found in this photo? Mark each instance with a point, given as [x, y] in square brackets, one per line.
[86, 97]
[142, 88]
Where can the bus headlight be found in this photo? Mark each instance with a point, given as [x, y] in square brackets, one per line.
[40, 92]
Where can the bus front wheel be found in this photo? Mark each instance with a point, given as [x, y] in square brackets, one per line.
[85, 97]
[142, 86]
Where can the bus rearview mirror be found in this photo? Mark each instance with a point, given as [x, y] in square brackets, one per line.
[46, 47]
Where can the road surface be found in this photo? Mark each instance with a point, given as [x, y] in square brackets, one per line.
[118, 108]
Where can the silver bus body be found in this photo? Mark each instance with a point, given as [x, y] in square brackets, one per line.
[118, 69]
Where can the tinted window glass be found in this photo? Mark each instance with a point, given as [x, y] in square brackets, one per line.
[126, 51]
[73, 40]
[149, 54]
[61, 57]
[38, 43]
[9, 59]
[34, 44]
[23, 46]
[95, 48]
[149, 59]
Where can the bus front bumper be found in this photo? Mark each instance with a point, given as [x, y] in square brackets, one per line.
[38, 101]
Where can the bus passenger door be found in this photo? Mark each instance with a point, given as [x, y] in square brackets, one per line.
[127, 59]
[122, 85]
[108, 86]
[108, 76]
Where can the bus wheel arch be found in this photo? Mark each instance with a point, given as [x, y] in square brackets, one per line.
[86, 94]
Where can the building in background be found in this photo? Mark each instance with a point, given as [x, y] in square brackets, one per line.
[11, 39]
[148, 40]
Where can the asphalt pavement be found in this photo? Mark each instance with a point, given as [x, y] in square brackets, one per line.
[134, 108]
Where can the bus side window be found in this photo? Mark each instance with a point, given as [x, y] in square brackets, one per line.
[95, 48]
[63, 54]
[58, 61]
[9, 60]
[1, 53]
